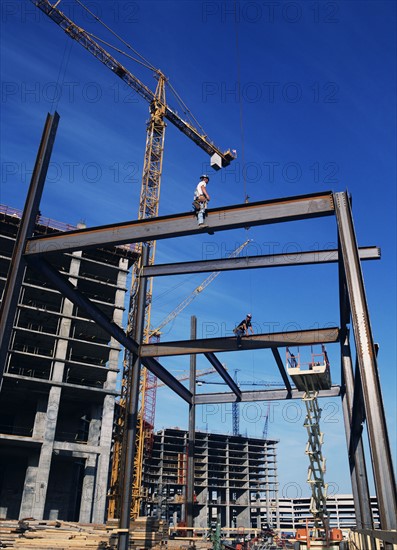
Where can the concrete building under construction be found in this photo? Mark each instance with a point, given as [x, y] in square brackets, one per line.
[231, 475]
[57, 409]
[59, 386]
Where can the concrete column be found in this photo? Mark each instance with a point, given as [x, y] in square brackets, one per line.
[107, 412]
[30, 492]
[37, 474]
[88, 490]
[61, 345]
[105, 442]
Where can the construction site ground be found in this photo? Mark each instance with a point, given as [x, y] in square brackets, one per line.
[29, 534]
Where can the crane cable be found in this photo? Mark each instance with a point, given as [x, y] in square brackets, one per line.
[115, 48]
[244, 172]
[145, 62]
[186, 110]
[61, 76]
[246, 197]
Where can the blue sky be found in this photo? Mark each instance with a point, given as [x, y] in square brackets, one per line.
[315, 112]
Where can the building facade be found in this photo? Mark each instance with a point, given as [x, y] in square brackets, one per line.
[292, 512]
[233, 476]
[60, 384]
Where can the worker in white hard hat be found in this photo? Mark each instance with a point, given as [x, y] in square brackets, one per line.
[243, 328]
[201, 198]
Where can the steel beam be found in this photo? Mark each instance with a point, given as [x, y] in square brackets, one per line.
[366, 355]
[221, 219]
[260, 395]
[16, 271]
[255, 341]
[192, 431]
[281, 368]
[75, 296]
[357, 411]
[220, 369]
[254, 262]
[358, 471]
[356, 457]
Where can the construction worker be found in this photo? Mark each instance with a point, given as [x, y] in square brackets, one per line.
[201, 198]
[243, 328]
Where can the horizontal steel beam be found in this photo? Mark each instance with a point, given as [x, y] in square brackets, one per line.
[75, 296]
[43, 381]
[253, 262]
[259, 395]
[256, 341]
[220, 219]
[223, 373]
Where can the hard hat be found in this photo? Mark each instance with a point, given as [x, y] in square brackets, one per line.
[249, 315]
[204, 176]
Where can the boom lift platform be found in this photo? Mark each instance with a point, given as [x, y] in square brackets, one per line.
[310, 378]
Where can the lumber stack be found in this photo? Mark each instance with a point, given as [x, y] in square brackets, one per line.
[55, 535]
[30, 534]
[146, 532]
[8, 533]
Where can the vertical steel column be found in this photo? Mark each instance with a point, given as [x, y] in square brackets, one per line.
[192, 430]
[356, 456]
[358, 470]
[366, 357]
[17, 266]
[128, 450]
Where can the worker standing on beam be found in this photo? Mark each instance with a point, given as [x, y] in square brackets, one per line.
[243, 329]
[201, 198]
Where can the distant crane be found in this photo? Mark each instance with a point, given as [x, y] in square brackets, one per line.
[235, 412]
[199, 373]
[148, 208]
[266, 424]
[171, 316]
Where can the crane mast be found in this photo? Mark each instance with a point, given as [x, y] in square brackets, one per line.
[148, 208]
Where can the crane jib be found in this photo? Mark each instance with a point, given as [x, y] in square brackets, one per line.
[82, 37]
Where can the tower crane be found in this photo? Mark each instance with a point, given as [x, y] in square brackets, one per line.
[148, 208]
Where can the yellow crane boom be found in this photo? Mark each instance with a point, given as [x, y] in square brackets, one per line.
[148, 207]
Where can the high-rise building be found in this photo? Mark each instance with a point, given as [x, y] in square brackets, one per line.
[233, 477]
[60, 383]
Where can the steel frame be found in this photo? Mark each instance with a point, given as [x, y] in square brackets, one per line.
[254, 262]
[360, 392]
[14, 279]
[166, 227]
[366, 377]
